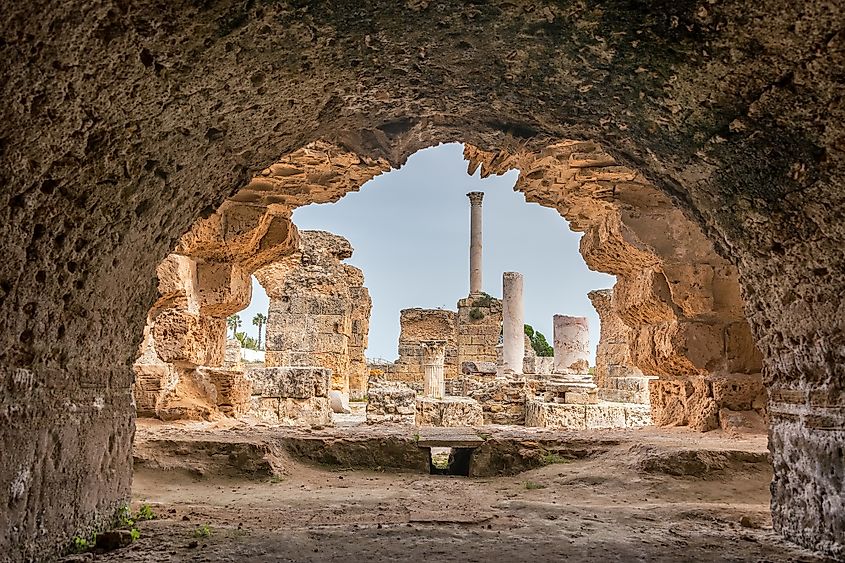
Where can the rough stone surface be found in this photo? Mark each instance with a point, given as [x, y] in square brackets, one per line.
[502, 401]
[294, 382]
[613, 354]
[123, 125]
[232, 388]
[417, 326]
[571, 344]
[449, 411]
[319, 309]
[582, 417]
[390, 401]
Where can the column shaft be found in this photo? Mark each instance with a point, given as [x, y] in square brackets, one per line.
[513, 324]
[475, 252]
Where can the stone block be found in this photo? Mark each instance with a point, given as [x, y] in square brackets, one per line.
[478, 368]
[737, 391]
[605, 416]
[188, 339]
[580, 397]
[233, 389]
[742, 422]
[390, 401]
[449, 411]
[151, 380]
[553, 415]
[223, 289]
[290, 382]
[669, 400]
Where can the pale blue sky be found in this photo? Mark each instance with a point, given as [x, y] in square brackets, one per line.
[410, 231]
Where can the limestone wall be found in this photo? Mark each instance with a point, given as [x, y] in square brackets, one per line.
[358, 371]
[319, 310]
[479, 323]
[417, 325]
[679, 298]
[107, 160]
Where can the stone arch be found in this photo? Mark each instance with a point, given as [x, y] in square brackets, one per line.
[126, 123]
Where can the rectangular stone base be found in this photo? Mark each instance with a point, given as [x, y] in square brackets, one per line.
[582, 417]
[390, 401]
[449, 411]
[292, 412]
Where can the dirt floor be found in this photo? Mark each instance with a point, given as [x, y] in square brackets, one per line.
[616, 505]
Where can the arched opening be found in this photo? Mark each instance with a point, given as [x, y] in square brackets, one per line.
[671, 283]
[108, 160]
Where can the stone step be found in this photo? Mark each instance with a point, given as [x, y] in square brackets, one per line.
[438, 437]
[624, 396]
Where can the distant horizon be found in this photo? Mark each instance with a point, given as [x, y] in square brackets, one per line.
[410, 231]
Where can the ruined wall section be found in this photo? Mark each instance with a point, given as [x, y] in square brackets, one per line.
[417, 325]
[315, 301]
[362, 306]
[680, 299]
[479, 321]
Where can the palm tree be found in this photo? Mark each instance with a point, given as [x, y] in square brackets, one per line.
[259, 320]
[234, 322]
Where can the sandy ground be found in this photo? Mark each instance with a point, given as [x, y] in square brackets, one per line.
[606, 508]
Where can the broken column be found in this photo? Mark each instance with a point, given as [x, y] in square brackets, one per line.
[513, 324]
[571, 344]
[434, 353]
[475, 242]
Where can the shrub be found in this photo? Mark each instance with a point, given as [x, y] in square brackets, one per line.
[484, 301]
[476, 314]
[531, 485]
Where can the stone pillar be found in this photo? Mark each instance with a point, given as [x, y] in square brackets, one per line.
[475, 242]
[572, 344]
[513, 324]
[434, 353]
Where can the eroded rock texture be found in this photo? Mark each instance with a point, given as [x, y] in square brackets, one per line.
[124, 123]
[319, 310]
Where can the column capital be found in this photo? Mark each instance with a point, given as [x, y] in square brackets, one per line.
[475, 197]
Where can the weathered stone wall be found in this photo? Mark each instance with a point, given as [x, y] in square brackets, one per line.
[319, 309]
[415, 326]
[186, 327]
[390, 401]
[479, 325]
[358, 371]
[292, 396]
[613, 354]
[124, 124]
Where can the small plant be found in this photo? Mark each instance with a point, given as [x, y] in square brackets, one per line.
[81, 544]
[135, 534]
[145, 513]
[476, 314]
[485, 300]
[276, 479]
[124, 517]
[417, 437]
[550, 457]
[203, 531]
[484, 435]
[531, 485]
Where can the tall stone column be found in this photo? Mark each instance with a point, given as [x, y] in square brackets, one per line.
[513, 324]
[571, 344]
[434, 354]
[475, 242]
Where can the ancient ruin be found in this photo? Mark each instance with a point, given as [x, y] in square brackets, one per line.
[152, 154]
[319, 311]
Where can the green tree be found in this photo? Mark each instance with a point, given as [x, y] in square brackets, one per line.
[259, 320]
[234, 322]
[246, 341]
[539, 342]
